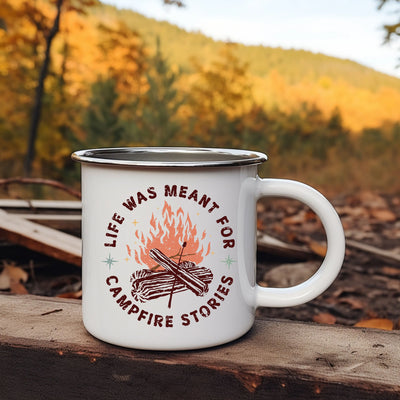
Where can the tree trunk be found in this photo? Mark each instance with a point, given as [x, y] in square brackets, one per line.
[38, 100]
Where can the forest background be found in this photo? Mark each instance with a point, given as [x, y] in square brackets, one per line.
[79, 74]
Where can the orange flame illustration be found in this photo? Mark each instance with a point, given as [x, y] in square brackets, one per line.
[168, 235]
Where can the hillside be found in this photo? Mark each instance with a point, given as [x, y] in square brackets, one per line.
[294, 65]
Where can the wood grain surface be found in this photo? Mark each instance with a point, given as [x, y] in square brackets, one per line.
[46, 353]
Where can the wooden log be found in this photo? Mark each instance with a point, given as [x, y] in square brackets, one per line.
[196, 285]
[46, 353]
[388, 255]
[269, 245]
[42, 239]
[148, 285]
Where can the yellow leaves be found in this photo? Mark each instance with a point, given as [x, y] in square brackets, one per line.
[360, 108]
[377, 323]
[325, 82]
[71, 295]
[223, 85]
[225, 103]
[122, 56]
[372, 323]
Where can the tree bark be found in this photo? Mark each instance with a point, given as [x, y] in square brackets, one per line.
[39, 93]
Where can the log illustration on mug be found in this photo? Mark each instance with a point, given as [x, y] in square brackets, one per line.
[176, 277]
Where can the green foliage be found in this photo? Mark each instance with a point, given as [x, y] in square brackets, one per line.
[101, 120]
[148, 119]
[157, 121]
[304, 131]
[219, 98]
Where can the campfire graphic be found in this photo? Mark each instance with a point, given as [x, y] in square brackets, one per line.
[171, 250]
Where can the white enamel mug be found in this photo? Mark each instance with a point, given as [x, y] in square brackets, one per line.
[169, 245]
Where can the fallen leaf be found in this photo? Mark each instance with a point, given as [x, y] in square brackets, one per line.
[392, 233]
[391, 271]
[345, 290]
[12, 275]
[318, 248]
[372, 200]
[260, 225]
[377, 323]
[292, 237]
[354, 303]
[4, 280]
[324, 318]
[383, 215]
[17, 274]
[18, 288]
[393, 284]
[310, 215]
[295, 219]
[71, 295]
[354, 212]
[260, 207]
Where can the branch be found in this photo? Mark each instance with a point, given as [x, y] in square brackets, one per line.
[177, 3]
[40, 181]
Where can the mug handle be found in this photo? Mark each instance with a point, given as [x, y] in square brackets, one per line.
[330, 267]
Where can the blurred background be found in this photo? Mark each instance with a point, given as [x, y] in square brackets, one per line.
[312, 84]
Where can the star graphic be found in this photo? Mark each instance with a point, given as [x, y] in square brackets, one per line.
[109, 261]
[135, 222]
[228, 261]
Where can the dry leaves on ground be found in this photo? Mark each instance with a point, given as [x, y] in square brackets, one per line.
[377, 323]
[367, 291]
[13, 278]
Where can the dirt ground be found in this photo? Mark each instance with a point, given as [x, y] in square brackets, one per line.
[368, 286]
[367, 289]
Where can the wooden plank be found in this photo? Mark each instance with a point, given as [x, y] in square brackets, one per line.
[388, 255]
[40, 238]
[51, 217]
[37, 210]
[69, 223]
[46, 353]
[57, 214]
[40, 204]
[270, 245]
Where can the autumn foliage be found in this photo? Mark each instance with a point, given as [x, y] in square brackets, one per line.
[110, 83]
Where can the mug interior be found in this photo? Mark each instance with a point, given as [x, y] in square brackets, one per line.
[169, 156]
